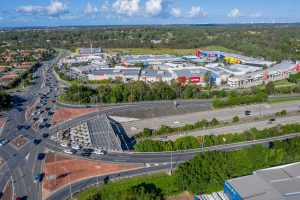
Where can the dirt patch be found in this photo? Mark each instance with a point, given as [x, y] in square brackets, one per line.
[58, 173]
[54, 157]
[2, 122]
[8, 192]
[1, 162]
[61, 114]
[19, 141]
[182, 196]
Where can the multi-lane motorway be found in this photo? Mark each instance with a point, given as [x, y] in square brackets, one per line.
[22, 164]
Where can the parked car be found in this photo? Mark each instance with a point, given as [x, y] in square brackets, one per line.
[88, 150]
[45, 135]
[77, 147]
[85, 154]
[64, 144]
[272, 120]
[100, 152]
[69, 151]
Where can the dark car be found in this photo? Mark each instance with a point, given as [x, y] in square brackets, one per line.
[247, 112]
[41, 156]
[85, 154]
[272, 120]
[26, 127]
[88, 150]
[45, 135]
[36, 141]
[20, 109]
[19, 127]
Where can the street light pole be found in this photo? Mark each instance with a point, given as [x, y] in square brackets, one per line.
[69, 181]
[171, 160]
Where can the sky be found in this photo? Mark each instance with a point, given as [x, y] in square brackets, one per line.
[20, 13]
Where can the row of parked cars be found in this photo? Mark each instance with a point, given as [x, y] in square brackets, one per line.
[86, 152]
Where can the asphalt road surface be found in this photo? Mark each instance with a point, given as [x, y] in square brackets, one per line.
[238, 128]
[227, 114]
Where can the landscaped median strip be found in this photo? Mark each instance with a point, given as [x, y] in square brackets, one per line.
[190, 142]
[284, 100]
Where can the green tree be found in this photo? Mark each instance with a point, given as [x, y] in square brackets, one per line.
[270, 88]
[235, 119]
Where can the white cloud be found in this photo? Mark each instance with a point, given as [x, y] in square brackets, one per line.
[91, 10]
[105, 6]
[234, 13]
[126, 7]
[196, 11]
[55, 8]
[31, 9]
[68, 17]
[256, 15]
[176, 12]
[153, 7]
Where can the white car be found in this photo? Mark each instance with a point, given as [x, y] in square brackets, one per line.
[3, 142]
[176, 122]
[69, 151]
[64, 144]
[77, 147]
[133, 128]
[100, 152]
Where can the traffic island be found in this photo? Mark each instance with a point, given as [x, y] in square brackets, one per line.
[61, 170]
[2, 124]
[61, 115]
[8, 192]
[19, 141]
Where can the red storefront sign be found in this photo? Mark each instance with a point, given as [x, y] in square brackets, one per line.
[181, 79]
[265, 75]
[195, 79]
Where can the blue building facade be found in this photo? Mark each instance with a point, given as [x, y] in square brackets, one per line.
[230, 192]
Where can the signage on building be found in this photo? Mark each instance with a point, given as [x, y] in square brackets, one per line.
[194, 79]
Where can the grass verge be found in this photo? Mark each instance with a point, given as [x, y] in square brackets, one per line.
[136, 51]
[284, 100]
[162, 181]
